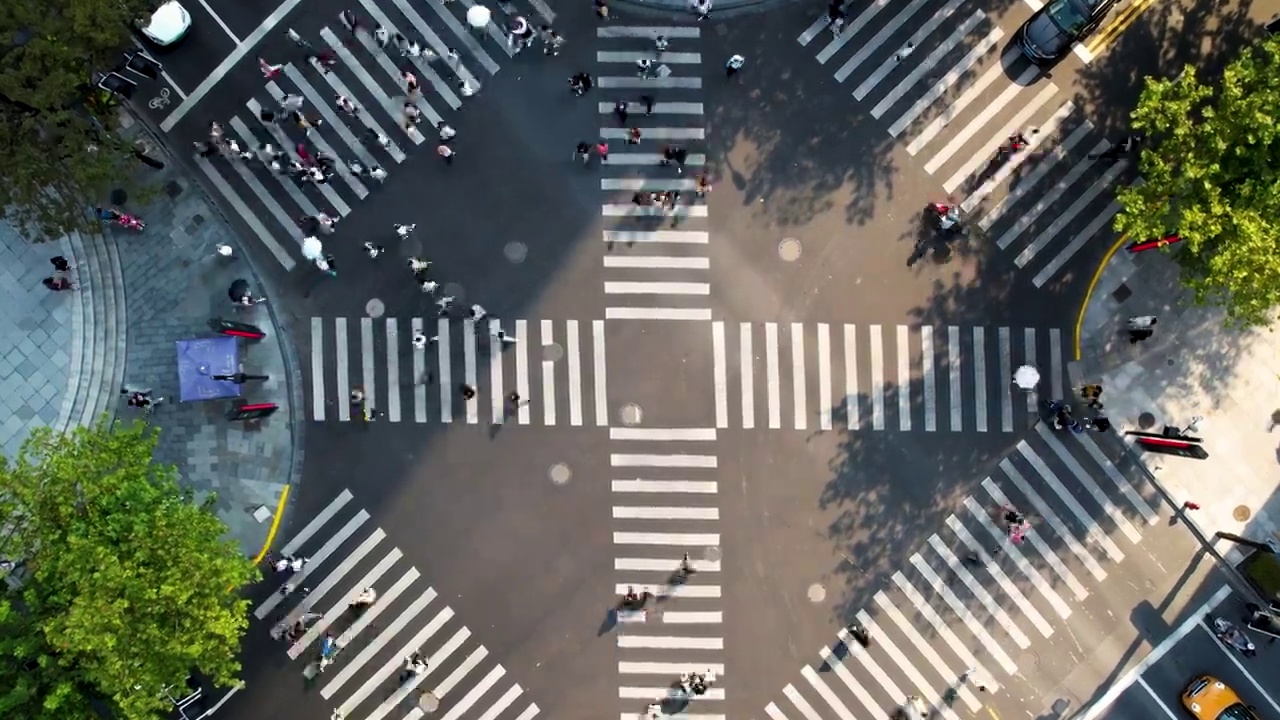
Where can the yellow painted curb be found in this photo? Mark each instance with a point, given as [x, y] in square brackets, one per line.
[1088, 294]
[275, 524]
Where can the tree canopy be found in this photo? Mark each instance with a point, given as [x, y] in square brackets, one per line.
[127, 584]
[1211, 173]
[56, 135]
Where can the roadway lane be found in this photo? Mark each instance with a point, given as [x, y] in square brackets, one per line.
[209, 41]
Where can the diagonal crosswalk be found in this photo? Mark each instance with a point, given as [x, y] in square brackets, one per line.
[977, 594]
[665, 497]
[949, 84]
[366, 679]
[793, 376]
[455, 67]
[656, 262]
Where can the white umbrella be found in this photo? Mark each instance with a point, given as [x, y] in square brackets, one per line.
[1026, 377]
[478, 17]
[312, 248]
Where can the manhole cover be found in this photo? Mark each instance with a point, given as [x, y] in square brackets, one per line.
[560, 473]
[631, 414]
[817, 593]
[428, 702]
[789, 250]
[711, 554]
[455, 291]
[1146, 420]
[552, 352]
[516, 251]
[374, 308]
[1242, 513]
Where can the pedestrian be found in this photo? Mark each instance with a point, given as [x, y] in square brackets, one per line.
[447, 133]
[376, 137]
[419, 340]
[291, 103]
[503, 337]
[224, 250]
[644, 66]
[373, 251]
[267, 116]
[703, 185]
[205, 148]
[836, 16]
[602, 149]
[1090, 394]
[345, 104]
[269, 71]
[452, 57]
[478, 312]
[412, 50]
[552, 43]
[468, 392]
[403, 231]
[620, 112]
[1188, 505]
[327, 223]
[351, 21]
[411, 113]
[428, 286]
[381, 36]
[410, 83]
[1100, 423]
[701, 8]
[660, 44]
[377, 173]
[327, 263]
[904, 52]
[1140, 328]
[513, 398]
[1124, 146]
[602, 9]
[466, 88]
[583, 153]
[733, 65]
[633, 136]
[446, 153]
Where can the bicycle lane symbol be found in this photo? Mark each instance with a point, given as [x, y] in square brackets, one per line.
[160, 101]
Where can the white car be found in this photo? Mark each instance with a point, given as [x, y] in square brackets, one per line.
[167, 25]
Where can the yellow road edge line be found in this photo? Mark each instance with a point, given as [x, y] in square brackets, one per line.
[275, 525]
[1123, 20]
[1088, 294]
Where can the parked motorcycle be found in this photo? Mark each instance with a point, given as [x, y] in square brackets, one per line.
[949, 219]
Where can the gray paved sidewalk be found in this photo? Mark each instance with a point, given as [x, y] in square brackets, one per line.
[35, 339]
[175, 281]
[1192, 366]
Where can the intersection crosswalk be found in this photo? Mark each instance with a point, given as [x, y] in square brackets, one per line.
[656, 262]
[930, 71]
[271, 204]
[796, 376]
[665, 497]
[977, 596]
[366, 679]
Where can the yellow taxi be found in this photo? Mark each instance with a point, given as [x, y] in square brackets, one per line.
[1208, 698]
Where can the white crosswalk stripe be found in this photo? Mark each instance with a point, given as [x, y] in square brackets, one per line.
[653, 273]
[372, 683]
[371, 78]
[955, 92]
[968, 590]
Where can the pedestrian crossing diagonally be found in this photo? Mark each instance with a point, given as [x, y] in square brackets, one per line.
[656, 262]
[981, 598]
[366, 678]
[929, 68]
[794, 376]
[556, 367]
[665, 505]
[271, 204]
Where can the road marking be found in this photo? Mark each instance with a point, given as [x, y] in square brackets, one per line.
[975, 626]
[670, 237]
[598, 373]
[349, 669]
[368, 373]
[655, 82]
[834, 663]
[720, 377]
[903, 389]
[1119, 685]
[1045, 589]
[470, 373]
[574, 350]
[342, 606]
[926, 649]
[502, 703]
[801, 408]
[396, 660]
[1029, 359]
[342, 358]
[668, 642]
[1095, 533]
[824, 376]
[919, 36]
[774, 386]
[748, 377]
[941, 628]
[531, 711]
[698, 487]
[1030, 215]
[463, 34]
[703, 540]
[1159, 699]
[444, 349]
[850, 30]
[242, 49]
[771, 709]
[314, 560]
[656, 313]
[670, 32]
[1085, 235]
[1126, 489]
[1005, 360]
[663, 565]
[1043, 166]
[805, 708]
[656, 512]
[668, 461]
[955, 397]
[651, 160]
[852, 421]
[1015, 124]
[924, 67]
[953, 109]
[317, 369]
[290, 186]
[1055, 362]
[395, 74]
[918, 681]
[1002, 101]
[427, 34]
[1011, 165]
[321, 519]
[548, 377]
[497, 394]
[666, 668]
[931, 400]
[340, 206]
[370, 85]
[877, 378]
[656, 288]
[630, 210]
[1085, 481]
[250, 217]
[975, 587]
[864, 660]
[666, 57]
[980, 378]
[522, 371]
[494, 31]
[1069, 214]
[1049, 516]
[647, 184]
[393, 371]
[1109, 34]
[480, 688]
[870, 46]
[944, 84]
[662, 434]
[669, 694]
[988, 564]
[659, 108]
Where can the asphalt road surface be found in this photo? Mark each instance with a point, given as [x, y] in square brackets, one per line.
[796, 379]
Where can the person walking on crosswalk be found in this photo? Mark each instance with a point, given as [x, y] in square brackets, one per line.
[269, 71]
[446, 153]
[447, 132]
[701, 8]
[552, 41]
[373, 251]
[345, 104]
[644, 68]
[733, 65]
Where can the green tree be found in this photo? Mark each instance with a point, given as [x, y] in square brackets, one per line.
[127, 582]
[1212, 173]
[57, 130]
